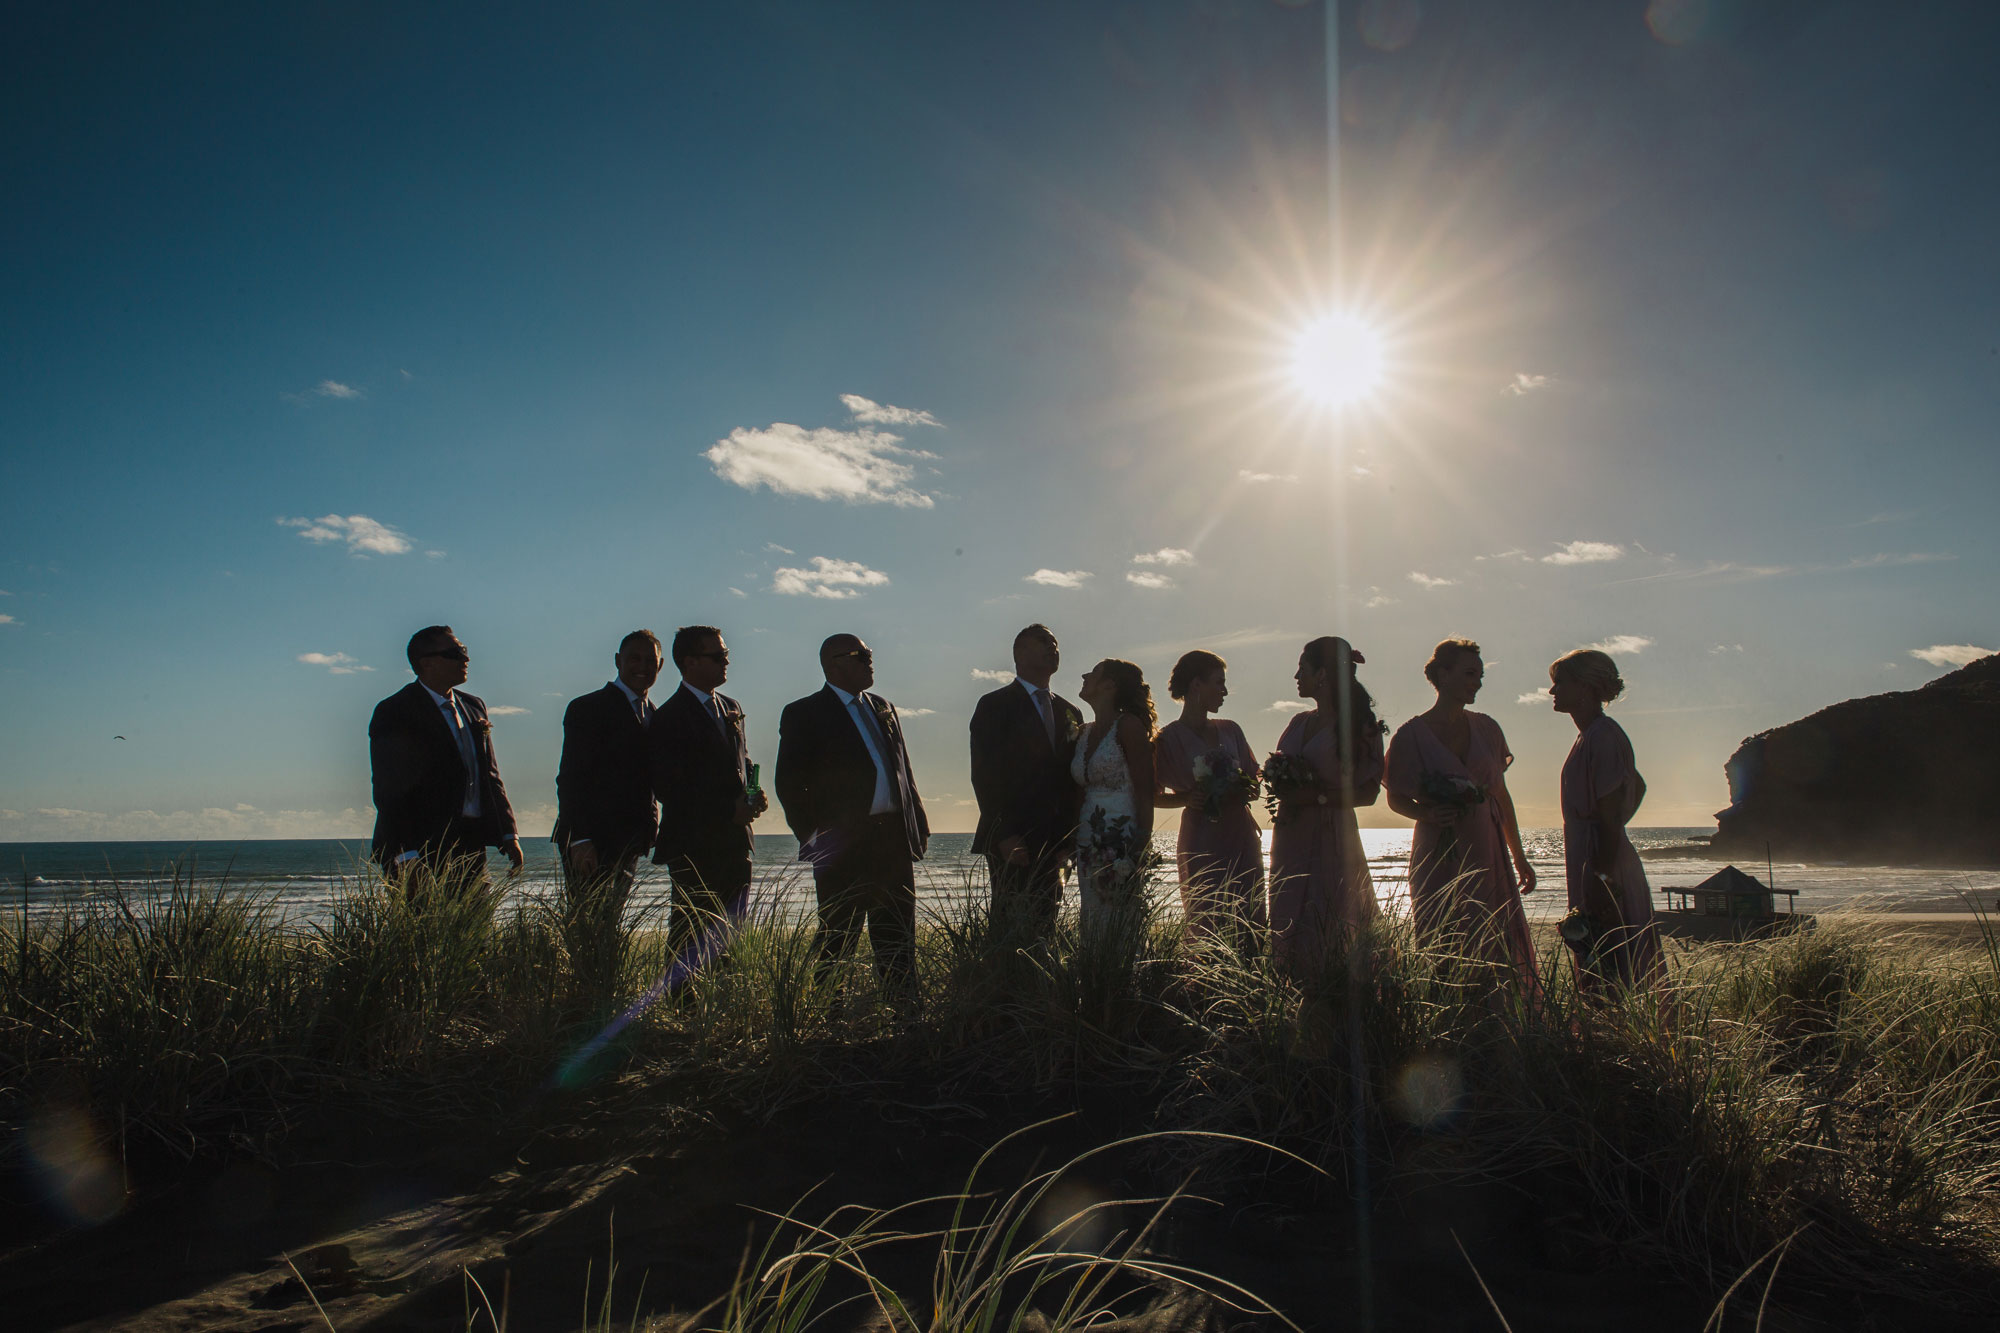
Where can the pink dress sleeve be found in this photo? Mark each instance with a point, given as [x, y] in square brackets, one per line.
[1173, 760]
[1608, 761]
[1497, 740]
[1368, 767]
[1239, 745]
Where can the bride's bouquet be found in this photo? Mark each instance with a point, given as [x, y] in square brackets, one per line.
[1221, 783]
[1113, 857]
[1290, 780]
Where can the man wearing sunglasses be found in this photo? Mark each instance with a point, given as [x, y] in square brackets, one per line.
[700, 764]
[439, 800]
[843, 778]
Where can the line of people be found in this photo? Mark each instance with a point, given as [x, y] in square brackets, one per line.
[1058, 795]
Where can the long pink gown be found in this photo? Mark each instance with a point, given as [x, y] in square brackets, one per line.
[1319, 870]
[1600, 763]
[1221, 860]
[1462, 883]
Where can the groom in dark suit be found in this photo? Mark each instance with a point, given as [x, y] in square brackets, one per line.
[700, 766]
[439, 801]
[843, 778]
[605, 816]
[1023, 737]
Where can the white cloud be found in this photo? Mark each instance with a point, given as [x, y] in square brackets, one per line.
[1950, 654]
[1729, 571]
[1376, 597]
[881, 414]
[1263, 478]
[915, 712]
[507, 710]
[7, 620]
[835, 580]
[1725, 648]
[1622, 643]
[338, 664]
[362, 534]
[781, 550]
[1288, 706]
[335, 389]
[863, 466]
[435, 555]
[237, 821]
[737, 592]
[1584, 553]
[1540, 696]
[1524, 383]
[1166, 555]
[1147, 579]
[1058, 578]
[1516, 554]
[980, 673]
[1427, 581]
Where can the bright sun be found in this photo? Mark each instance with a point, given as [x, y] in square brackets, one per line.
[1337, 360]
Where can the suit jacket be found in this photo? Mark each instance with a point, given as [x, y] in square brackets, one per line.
[1021, 781]
[826, 779]
[604, 789]
[698, 773]
[419, 776]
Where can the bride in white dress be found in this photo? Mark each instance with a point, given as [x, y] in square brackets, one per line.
[1115, 824]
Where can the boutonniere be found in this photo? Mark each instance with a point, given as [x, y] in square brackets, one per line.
[1071, 727]
[885, 713]
[482, 726]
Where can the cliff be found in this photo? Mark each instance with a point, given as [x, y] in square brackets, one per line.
[1910, 777]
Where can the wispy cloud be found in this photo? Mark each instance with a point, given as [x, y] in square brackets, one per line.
[1288, 706]
[1523, 383]
[1262, 478]
[1887, 516]
[1730, 571]
[1376, 597]
[1423, 580]
[338, 664]
[1540, 696]
[861, 466]
[1058, 578]
[1166, 555]
[914, 712]
[1721, 648]
[507, 710]
[1584, 553]
[737, 592]
[8, 620]
[835, 580]
[1950, 654]
[781, 550]
[1516, 554]
[1147, 579]
[1628, 644]
[881, 414]
[361, 534]
[981, 673]
[335, 389]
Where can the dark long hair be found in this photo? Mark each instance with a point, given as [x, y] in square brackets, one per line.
[1134, 695]
[1332, 653]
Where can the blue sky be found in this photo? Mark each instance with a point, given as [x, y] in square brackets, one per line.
[581, 319]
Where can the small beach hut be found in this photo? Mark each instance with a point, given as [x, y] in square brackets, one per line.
[1730, 892]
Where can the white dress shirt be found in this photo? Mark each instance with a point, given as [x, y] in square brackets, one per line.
[885, 792]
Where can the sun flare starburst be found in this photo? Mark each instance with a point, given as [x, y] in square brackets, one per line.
[1338, 360]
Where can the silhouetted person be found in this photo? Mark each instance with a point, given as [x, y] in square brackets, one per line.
[700, 772]
[438, 794]
[605, 816]
[1023, 735]
[843, 778]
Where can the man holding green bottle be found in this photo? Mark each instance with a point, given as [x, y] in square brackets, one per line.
[708, 797]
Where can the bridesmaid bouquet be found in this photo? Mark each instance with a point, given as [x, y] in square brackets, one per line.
[1222, 783]
[1450, 792]
[1289, 778]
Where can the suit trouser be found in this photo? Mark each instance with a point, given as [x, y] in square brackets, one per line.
[455, 861]
[1030, 895]
[872, 879]
[708, 894]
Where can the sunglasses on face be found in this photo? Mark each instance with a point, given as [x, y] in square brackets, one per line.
[860, 653]
[722, 657]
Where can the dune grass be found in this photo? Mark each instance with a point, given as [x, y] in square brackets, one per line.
[1834, 1093]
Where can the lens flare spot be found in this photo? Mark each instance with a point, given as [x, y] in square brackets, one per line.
[76, 1169]
[1390, 25]
[1338, 360]
[1676, 22]
[1429, 1091]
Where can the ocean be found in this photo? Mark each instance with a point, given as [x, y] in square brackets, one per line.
[301, 877]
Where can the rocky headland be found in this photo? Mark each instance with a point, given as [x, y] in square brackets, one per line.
[1907, 777]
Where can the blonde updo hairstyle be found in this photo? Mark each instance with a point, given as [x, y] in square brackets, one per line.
[1191, 668]
[1592, 669]
[1135, 697]
[1446, 656]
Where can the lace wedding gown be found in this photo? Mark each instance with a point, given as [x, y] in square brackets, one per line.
[1108, 860]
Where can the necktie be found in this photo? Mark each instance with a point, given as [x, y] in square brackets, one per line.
[639, 709]
[1047, 711]
[715, 713]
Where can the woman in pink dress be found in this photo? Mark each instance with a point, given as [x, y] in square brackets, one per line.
[1320, 887]
[1447, 769]
[1601, 791]
[1204, 765]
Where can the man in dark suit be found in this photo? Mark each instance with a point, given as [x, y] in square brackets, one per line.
[605, 817]
[700, 765]
[843, 778]
[1023, 736]
[439, 801]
